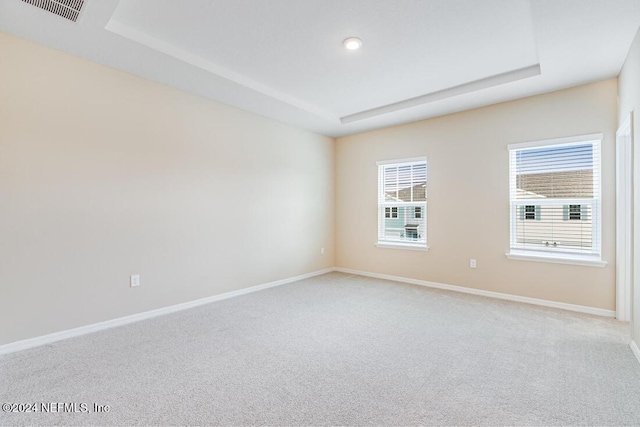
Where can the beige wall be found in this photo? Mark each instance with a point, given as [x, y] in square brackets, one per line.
[629, 90]
[104, 174]
[468, 196]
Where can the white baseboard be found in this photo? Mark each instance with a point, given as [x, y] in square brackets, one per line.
[635, 349]
[490, 294]
[87, 329]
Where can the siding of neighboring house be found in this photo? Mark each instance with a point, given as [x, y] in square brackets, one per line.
[554, 224]
[406, 215]
[565, 185]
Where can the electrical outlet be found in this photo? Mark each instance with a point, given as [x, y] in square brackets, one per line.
[473, 263]
[321, 251]
[135, 280]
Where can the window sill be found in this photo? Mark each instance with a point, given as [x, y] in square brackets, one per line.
[407, 246]
[557, 259]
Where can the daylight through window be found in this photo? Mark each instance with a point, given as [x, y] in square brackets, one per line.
[555, 197]
[402, 202]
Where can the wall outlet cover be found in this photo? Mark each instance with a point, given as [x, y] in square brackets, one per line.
[135, 280]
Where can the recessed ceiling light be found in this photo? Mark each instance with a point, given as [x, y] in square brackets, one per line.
[352, 43]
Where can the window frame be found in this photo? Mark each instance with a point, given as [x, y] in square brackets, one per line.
[392, 244]
[551, 254]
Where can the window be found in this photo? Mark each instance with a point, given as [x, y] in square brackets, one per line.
[391, 212]
[575, 212]
[402, 203]
[529, 211]
[555, 199]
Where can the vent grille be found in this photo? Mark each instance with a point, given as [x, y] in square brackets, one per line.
[69, 9]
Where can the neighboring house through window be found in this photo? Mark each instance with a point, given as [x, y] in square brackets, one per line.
[402, 203]
[555, 199]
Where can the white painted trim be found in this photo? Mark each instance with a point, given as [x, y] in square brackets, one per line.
[412, 160]
[484, 83]
[557, 259]
[408, 247]
[635, 349]
[624, 218]
[556, 141]
[490, 294]
[95, 327]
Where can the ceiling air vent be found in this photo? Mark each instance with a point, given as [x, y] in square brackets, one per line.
[69, 9]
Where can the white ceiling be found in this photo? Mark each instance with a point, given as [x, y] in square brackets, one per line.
[284, 59]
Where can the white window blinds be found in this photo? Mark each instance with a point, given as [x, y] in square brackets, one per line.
[402, 202]
[555, 196]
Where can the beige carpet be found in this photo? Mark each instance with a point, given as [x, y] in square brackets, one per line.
[338, 349]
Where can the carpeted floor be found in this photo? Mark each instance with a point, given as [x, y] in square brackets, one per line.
[339, 349]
